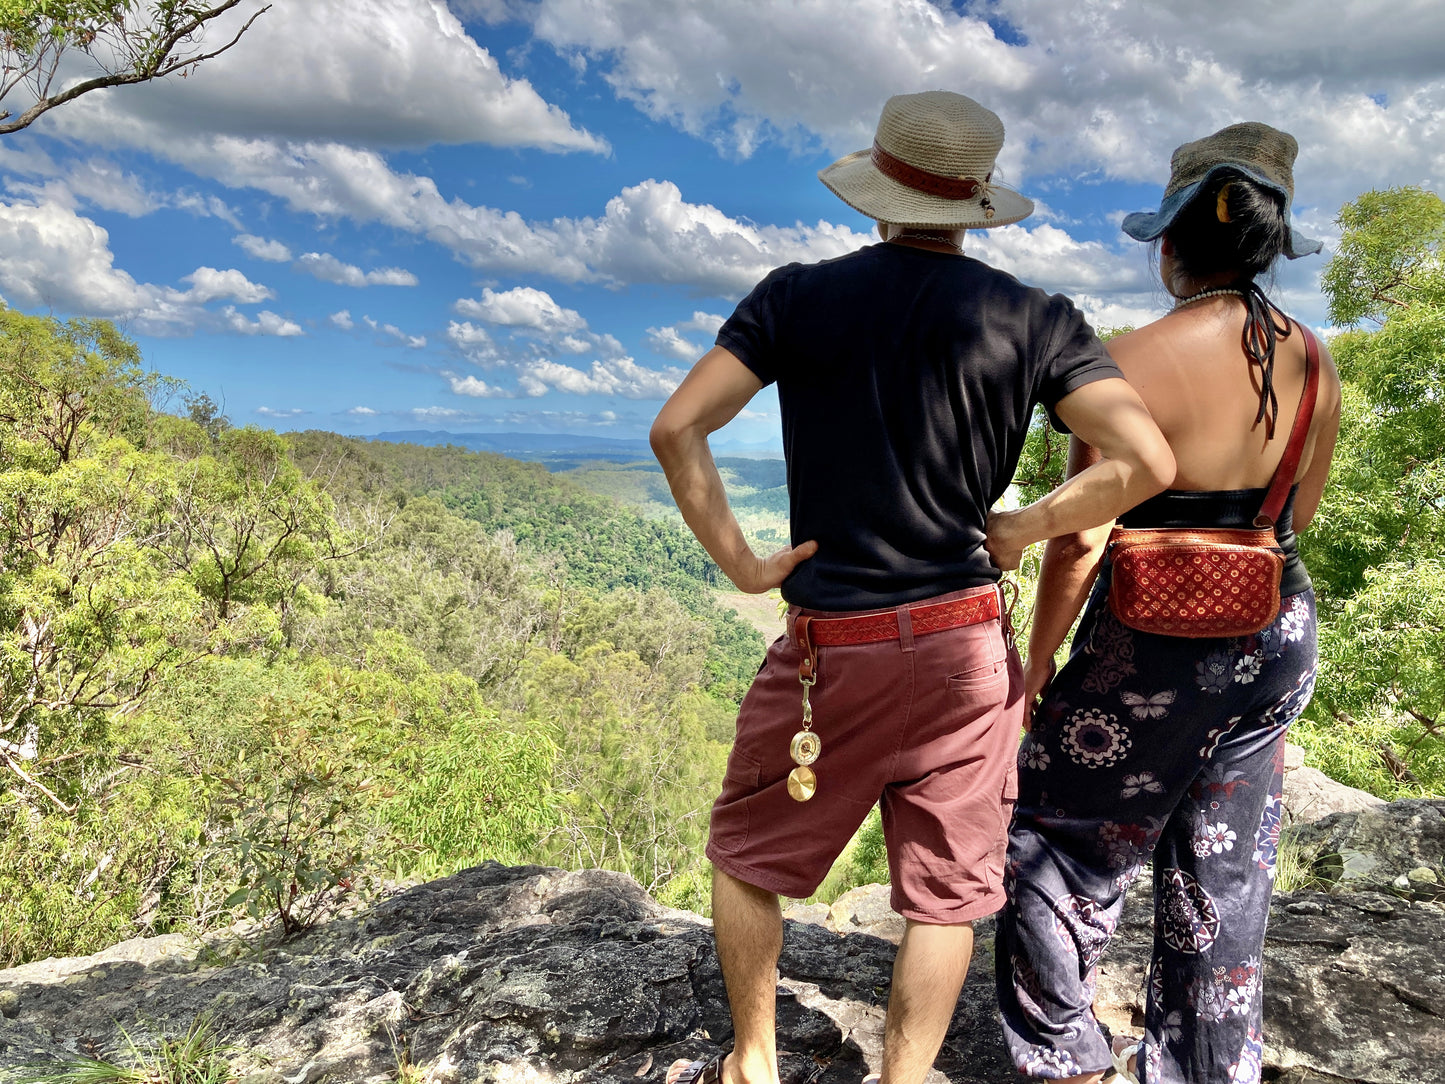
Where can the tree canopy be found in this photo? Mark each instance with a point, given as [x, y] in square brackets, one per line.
[1374, 549]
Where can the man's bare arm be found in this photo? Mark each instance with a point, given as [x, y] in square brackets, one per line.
[1136, 464]
[709, 397]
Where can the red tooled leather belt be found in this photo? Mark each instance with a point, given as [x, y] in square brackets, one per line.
[815, 632]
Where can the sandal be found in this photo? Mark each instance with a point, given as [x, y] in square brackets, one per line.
[1122, 1070]
[703, 1071]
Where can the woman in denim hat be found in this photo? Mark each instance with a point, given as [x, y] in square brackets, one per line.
[1150, 746]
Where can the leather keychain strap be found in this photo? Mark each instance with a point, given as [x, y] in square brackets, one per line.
[1283, 479]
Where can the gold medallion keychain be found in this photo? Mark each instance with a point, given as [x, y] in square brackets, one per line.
[805, 748]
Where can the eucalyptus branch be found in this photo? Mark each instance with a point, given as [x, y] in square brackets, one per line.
[157, 65]
[41, 787]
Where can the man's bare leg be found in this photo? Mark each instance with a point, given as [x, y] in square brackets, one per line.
[928, 973]
[748, 925]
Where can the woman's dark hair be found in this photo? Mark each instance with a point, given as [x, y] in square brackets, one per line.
[1245, 232]
[1234, 224]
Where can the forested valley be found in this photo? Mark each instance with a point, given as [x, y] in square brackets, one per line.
[243, 672]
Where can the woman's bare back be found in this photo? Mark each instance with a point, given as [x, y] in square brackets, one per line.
[1191, 371]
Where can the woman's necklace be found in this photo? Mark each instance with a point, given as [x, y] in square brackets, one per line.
[939, 238]
[1221, 292]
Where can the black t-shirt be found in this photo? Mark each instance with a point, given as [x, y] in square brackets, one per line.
[907, 379]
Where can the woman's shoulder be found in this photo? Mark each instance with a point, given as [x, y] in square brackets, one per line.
[1140, 345]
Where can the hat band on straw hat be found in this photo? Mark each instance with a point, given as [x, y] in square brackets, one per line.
[921, 180]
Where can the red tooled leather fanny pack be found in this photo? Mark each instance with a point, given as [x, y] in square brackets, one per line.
[1211, 581]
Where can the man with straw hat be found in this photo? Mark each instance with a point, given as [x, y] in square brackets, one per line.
[907, 376]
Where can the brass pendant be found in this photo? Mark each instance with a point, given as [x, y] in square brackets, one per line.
[802, 784]
[805, 748]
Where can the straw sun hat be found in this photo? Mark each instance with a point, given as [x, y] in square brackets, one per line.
[931, 164]
[1263, 154]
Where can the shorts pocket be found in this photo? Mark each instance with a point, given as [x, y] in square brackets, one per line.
[728, 828]
[983, 677]
[982, 659]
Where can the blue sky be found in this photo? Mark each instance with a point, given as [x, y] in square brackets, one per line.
[531, 215]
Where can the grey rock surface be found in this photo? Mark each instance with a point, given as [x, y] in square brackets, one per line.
[867, 909]
[495, 974]
[538, 975]
[1311, 795]
[1379, 848]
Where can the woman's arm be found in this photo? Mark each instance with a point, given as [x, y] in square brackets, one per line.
[1327, 430]
[1066, 576]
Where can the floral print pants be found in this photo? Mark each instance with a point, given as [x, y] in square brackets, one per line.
[1163, 748]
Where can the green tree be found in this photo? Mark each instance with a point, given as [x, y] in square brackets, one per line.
[125, 41]
[1389, 255]
[247, 528]
[636, 762]
[1374, 547]
[460, 595]
[88, 614]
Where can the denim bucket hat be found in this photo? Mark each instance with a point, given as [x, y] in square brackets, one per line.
[1257, 151]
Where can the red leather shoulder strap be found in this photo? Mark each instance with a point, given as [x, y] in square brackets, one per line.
[1284, 474]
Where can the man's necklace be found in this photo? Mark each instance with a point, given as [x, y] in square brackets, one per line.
[1221, 292]
[940, 238]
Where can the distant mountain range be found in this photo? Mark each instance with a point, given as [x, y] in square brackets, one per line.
[548, 447]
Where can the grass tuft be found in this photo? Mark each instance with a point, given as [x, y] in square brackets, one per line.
[197, 1057]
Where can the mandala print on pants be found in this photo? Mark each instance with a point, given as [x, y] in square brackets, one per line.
[1266, 844]
[1084, 926]
[1096, 739]
[1188, 915]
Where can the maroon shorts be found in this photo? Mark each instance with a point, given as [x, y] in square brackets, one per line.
[928, 725]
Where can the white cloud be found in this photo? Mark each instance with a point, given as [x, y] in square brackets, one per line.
[203, 206]
[560, 421]
[702, 321]
[328, 268]
[647, 233]
[261, 248]
[522, 307]
[470, 339]
[531, 314]
[266, 323]
[391, 331]
[480, 389]
[670, 343]
[392, 73]
[286, 412]
[441, 414]
[363, 412]
[621, 376]
[1049, 257]
[52, 257]
[342, 320]
[208, 284]
[93, 181]
[101, 184]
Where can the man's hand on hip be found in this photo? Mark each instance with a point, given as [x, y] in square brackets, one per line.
[765, 573]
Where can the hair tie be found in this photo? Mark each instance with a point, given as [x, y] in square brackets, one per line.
[1221, 204]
